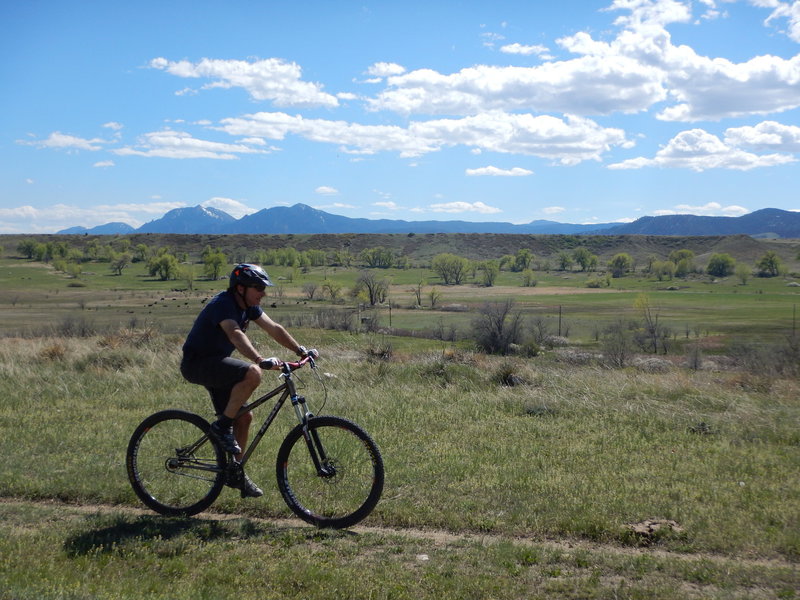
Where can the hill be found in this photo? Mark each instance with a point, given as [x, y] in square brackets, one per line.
[303, 219]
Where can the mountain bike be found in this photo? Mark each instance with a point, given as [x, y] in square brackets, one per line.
[329, 470]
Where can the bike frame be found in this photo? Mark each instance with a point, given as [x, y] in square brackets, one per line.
[286, 390]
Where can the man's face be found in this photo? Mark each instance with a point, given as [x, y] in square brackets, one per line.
[253, 295]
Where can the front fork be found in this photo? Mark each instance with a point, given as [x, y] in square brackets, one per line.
[315, 447]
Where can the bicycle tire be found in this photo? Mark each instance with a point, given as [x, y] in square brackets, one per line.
[173, 468]
[351, 488]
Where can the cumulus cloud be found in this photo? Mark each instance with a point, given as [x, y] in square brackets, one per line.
[790, 11]
[553, 210]
[178, 144]
[699, 150]
[104, 163]
[768, 135]
[385, 69]
[326, 190]
[234, 208]
[631, 73]
[495, 171]
[270, 79]
[63, 141]
[710, 209]
[30, 219]
[566, 141]
[524, 50]
[461, 207]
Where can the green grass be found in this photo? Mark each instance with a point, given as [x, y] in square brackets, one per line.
[575, 452]
[114, 554]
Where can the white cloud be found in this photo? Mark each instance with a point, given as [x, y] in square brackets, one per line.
[460, 207]
[335, 205]
[631, 73]
[567, 141]
[553, 210]
[326, 190]
[113, 126]
[586, 85]
[698, 150]
[234, 208]
[49, 219]
[385, 69]
[711, 209]
[388, 205]
[178, 144]
[785, 10]
[524, 50]
[104, 163]
[270, 79]
[62, 141]
[767, 135]
[490, 170]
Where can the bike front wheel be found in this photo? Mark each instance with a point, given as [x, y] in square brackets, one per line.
[330, 472]
[173, 466]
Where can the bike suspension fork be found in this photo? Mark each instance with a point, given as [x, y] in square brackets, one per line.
[315, 447]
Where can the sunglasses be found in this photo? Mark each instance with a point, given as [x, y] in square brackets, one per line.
[260, 288]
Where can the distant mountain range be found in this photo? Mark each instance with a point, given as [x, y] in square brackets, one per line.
[302, 219]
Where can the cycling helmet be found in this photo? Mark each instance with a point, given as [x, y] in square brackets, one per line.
[248, 276]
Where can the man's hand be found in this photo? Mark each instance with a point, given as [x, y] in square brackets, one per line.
[270, 364]
[302, 352]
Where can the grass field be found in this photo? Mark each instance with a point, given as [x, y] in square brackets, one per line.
[549, 477]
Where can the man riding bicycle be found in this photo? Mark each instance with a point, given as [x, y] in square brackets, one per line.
[219, 330]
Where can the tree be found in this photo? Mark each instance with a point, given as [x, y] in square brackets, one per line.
[165, 265]
[565, 261]
[379, 257]
[141, 253]
[770, 265]
[721, 265]
[663, 269]
[213, 262]
[27, 247]
[497, 327]
[310, 290]
[743, 273]
[450, 268]
[522, 260]
[585, 259]
[374, 288]
[489, 269]
[620, 264]
[119, 261]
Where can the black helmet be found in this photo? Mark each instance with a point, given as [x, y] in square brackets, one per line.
[248, 276]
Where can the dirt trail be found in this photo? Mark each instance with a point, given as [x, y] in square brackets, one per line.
[436, 537]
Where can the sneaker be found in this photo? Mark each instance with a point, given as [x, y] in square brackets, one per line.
[250, 489]
[238, 480]
[225, 437]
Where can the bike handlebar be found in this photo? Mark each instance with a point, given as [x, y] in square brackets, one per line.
[270, 364]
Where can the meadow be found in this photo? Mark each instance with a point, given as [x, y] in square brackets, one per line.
[552, 476]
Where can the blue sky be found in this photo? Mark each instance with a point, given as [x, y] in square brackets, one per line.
[573, 111]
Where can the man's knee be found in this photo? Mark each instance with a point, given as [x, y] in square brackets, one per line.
[244, 419]
[253, 376]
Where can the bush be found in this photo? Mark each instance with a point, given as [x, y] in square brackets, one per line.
[496, 327]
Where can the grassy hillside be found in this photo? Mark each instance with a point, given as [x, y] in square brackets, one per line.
[421, 248]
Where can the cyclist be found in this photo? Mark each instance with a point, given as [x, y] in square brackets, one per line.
[219, 330]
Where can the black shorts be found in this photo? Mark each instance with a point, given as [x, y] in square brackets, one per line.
[218, 374]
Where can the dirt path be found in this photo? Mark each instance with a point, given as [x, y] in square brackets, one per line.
[438, 538]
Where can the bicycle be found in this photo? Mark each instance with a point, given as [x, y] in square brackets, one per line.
[329, 470]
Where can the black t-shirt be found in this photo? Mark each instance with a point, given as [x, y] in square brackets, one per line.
[206, 337]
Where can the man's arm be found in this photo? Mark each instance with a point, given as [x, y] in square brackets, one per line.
[278, 333]
[240, 340]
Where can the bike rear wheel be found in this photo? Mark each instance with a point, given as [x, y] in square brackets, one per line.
[345, 482]
[173, 466]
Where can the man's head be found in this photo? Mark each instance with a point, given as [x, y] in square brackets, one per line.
[248, 275]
